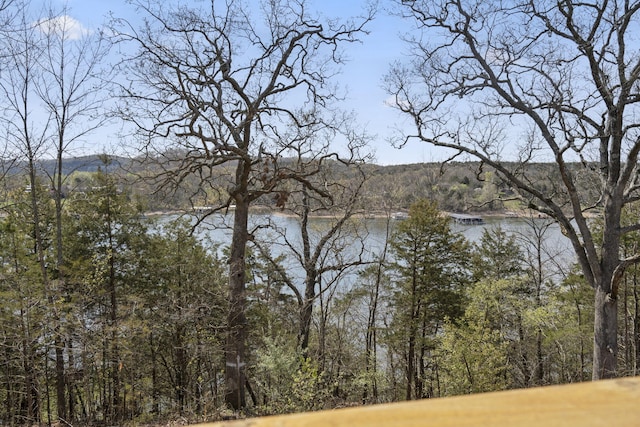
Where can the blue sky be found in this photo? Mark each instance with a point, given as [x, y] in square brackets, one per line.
[362, 76]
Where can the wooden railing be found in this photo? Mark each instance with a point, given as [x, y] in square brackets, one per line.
[611, 403]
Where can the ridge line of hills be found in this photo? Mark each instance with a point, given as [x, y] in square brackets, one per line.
[456, 187]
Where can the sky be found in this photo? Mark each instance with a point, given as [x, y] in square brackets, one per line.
[362, 76]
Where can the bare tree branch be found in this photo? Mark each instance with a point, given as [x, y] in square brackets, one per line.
[568, 73]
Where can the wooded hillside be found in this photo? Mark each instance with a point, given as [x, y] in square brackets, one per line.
[464, 187]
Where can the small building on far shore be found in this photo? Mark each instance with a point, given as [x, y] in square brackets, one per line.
[466, 219]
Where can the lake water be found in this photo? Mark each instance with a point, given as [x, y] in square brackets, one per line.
[557, 253]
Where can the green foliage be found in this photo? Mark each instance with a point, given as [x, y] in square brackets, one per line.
[473, 358]
[569, 330]
[24, 326]
[477, 352]
[497, 255]
[180, 317]
[496, 304]
[489, 196]
[538, 336]
[431, 263]
[287, 381]
[451, 318]
[140, 312]
[271, 310]
[431, 266]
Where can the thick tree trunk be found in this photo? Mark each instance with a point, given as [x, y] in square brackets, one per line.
[605, 335]
[605, 320]
[306, 312]
[636, 329]
[61, 401]
[626, 333]
[236, 320]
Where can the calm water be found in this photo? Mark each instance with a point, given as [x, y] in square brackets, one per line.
[557, 253]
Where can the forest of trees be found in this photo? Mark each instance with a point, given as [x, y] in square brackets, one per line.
[140, 316]
[112, 316]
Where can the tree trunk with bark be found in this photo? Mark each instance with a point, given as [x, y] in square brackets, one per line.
[636, 329]
[235, 349]
[306, 313]
[605, 335]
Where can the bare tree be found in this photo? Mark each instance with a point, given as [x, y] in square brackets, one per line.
[70, 87]
[327, 248]
[9, 14]
[539, 80]
[218, 82]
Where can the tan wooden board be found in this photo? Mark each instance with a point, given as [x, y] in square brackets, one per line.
[612, 403]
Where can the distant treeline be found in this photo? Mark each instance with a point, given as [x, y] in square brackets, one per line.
[456, 187]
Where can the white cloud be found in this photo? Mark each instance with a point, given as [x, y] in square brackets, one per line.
[395, 101]
[64, 26]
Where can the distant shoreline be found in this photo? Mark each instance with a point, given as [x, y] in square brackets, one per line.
[524, 214]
